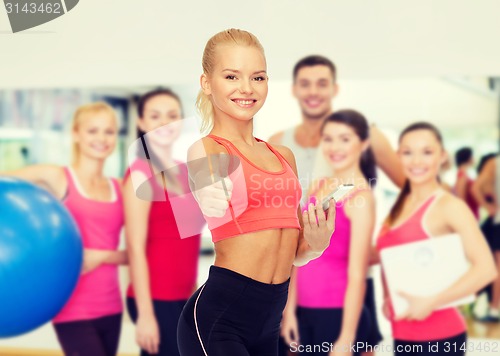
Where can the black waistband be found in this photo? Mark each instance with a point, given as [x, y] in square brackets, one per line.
[238, 278]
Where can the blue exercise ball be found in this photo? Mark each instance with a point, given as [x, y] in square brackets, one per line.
[40, 256]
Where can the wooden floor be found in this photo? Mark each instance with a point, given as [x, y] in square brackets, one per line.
[19, 352]
[475, 330]
[481, 330]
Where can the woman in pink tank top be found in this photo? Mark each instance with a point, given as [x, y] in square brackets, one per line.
[90, 322]
[325, 305]
[160, 208]
[424, 210]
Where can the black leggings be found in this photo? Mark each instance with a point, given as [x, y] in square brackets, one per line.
[232, 314]
[167, 316]
[93, 337]
[320, 327]
[453, 346]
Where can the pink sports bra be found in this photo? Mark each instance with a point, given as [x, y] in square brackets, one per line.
[260, 200]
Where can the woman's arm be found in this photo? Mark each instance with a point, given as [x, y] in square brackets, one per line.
[386, 304]
[461, 187]
[136, 229]
[289, 324]
[117, 258]
[386, 308]
[93, 258]
[386, 157]
[47, 176]
[482, 269]
[374, 256]
[362, 218]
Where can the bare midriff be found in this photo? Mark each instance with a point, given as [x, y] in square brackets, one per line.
[265, 256]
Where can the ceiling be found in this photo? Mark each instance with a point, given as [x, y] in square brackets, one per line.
[138, 43]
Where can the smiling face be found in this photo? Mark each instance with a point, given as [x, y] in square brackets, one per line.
[314, 87]
[237, 85]
[341, 146]
[96, 134]
[161, 119]
[421, 155]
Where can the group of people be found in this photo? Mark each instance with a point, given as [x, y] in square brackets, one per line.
[483, 192]
[477, 193]
[163, 267]
[285, 267]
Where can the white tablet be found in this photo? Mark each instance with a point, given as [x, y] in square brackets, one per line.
[424, 268]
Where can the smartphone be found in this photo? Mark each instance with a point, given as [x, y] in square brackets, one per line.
[337, 194]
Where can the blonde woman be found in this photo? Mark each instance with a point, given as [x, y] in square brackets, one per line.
[90, 322]
[238, 310]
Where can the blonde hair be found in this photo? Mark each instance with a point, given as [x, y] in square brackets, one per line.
[231, 36]
[83, 112]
